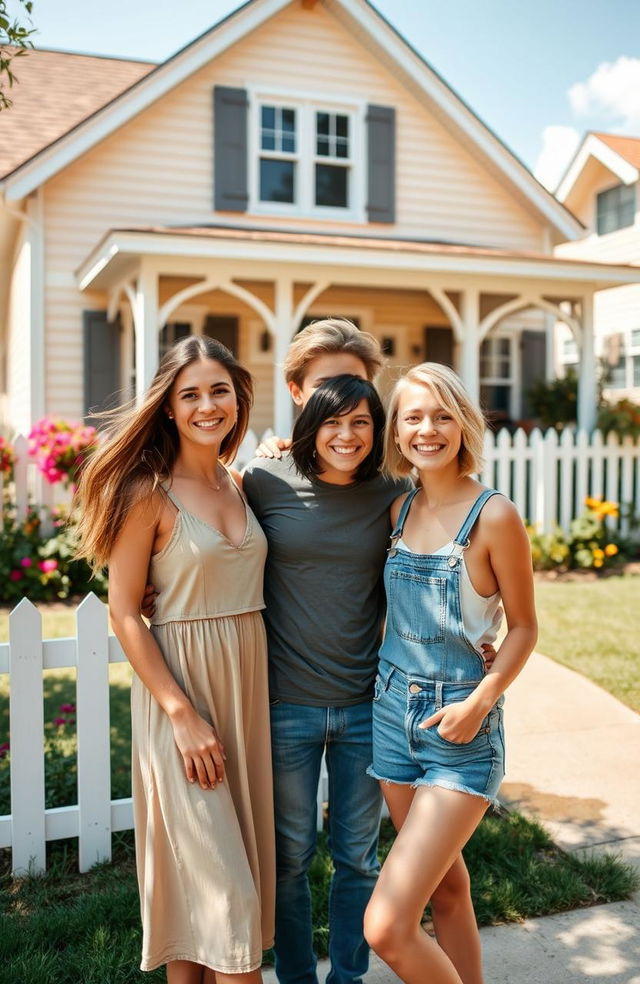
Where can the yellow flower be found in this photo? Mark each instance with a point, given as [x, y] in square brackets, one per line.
[598, 562]
[592, 503]
[610, 550]
[598, 554]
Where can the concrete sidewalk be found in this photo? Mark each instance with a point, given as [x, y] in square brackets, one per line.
[573, 761]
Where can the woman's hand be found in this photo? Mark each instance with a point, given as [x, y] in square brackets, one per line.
[273, 447]
[488, 652]
[148, 603]
[458, 723]
[201, 749]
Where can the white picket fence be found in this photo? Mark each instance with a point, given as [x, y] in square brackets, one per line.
[95, 816]
[548, 475]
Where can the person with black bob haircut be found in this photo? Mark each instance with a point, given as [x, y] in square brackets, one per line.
[343, 417]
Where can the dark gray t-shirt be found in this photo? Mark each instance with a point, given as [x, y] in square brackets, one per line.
[323, 580]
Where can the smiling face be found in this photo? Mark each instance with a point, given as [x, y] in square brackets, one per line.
[342, 444]
[428, 435]
[325, 367]
[202, 403]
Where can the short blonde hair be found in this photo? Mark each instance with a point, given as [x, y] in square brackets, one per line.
[331, 335]
[448, 387]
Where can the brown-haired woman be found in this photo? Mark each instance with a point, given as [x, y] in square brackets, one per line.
[159, 497]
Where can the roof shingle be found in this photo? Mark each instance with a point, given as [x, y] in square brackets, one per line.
[54, 91]
[627, 147]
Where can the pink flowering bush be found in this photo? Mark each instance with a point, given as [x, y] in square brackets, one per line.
[59, 448]
[7, 459]
[41, 568]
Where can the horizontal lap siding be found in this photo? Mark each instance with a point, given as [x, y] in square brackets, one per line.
[158, 170]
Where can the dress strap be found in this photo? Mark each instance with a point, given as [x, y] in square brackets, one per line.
[462, 539]
[173, 498]
[402, 516]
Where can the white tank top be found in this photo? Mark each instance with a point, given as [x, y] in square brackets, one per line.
[481, 617]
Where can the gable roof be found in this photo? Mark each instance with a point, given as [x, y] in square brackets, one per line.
[56, 90]
[626, 147]
[363, 21]
[620, 155]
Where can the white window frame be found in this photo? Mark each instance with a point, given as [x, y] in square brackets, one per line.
[306, 106]
[605, 191]
[513, 380]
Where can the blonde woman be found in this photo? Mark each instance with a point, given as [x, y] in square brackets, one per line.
[459, 555]
[159, 497]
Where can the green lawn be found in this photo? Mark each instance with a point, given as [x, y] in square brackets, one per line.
[594, 627]
[64, 927]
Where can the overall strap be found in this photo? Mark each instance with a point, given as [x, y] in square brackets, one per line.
[462, 539]
[402, 516]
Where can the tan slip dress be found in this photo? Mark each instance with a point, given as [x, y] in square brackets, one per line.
[206, 859]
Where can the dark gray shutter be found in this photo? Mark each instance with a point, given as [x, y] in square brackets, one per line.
[101, 362]
[381, 150]
[438, 345]
[230, 109]
[224, 328]
[533, 361]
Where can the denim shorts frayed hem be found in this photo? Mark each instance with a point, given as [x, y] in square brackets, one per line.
[491, 801]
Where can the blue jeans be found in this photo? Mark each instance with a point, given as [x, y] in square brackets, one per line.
[299, 736]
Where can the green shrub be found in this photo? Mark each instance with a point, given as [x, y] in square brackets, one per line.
[588, 544]
[554, 403]
[623, 418]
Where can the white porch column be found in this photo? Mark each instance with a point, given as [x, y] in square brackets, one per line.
[146, 329]
[469, 367]
[587, 381]
[283, 324]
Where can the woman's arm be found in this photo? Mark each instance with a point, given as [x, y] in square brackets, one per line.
[201, 751]
[509, 552]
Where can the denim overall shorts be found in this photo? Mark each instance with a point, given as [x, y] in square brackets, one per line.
[426, 662]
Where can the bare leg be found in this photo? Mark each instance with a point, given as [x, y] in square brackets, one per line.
[438, 824]
[454, 920]
[253, 977]
[184, 972]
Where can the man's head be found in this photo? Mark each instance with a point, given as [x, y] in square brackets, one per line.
[326, 349]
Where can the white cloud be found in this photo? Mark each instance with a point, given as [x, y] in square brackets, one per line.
[559, 143]
[612, 93]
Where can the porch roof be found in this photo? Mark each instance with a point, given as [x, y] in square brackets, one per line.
[119, 254]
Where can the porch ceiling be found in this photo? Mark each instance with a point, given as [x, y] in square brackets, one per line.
[365, 260]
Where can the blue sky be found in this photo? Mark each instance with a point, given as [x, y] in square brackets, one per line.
[538, 74]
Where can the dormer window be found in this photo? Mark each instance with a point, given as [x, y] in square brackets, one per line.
[303, 155]
[308, 160]
[616, 208]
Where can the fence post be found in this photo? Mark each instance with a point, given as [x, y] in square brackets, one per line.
[92, 717]
[26, 721]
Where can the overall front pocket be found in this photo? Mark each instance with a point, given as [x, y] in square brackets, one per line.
[418, 606]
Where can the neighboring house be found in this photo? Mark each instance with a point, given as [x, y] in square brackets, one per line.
[601, 187]
[297, 160]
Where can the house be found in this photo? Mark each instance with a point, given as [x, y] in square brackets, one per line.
[299, 159]
[600, 186]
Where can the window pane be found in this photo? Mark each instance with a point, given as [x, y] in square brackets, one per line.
[342, 148]
[289, 145]
[615, 208]
[289, 120]
[342, 126]
[636, 370]
[268, 140]
[331, 186]
[268, 118]
[503, 346]
[635, 337]
[277, 181]
[322, 146]
[322, 124]
[504, 369]
[496, 399]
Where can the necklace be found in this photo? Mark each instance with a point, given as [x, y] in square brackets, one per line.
[197, 478]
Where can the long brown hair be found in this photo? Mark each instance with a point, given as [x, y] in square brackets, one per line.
[141, 446]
